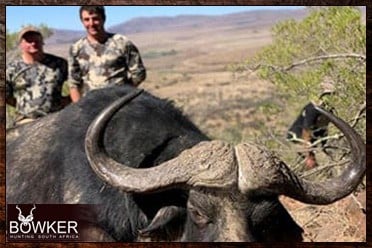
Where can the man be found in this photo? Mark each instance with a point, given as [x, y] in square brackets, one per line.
[34, 81]
[310, 126]
[102, 59]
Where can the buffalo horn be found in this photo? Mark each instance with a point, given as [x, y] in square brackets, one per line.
[209, 163]
[260, 171]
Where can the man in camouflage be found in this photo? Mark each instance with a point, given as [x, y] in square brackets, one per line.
[34, 81]
[102, 59]
[310, 126]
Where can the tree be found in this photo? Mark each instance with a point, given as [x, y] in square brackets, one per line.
[326, 47]
[11, 40]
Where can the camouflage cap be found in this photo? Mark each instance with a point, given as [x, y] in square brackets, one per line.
[26, 30]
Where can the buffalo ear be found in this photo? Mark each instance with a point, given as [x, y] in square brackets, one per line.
[167, 225]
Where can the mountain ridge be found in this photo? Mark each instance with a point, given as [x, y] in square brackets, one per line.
[247, 19]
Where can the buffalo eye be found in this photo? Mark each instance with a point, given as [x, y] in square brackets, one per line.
[200, 219]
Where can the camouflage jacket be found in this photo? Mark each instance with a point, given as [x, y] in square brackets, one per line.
[117, 61]
[36, 87]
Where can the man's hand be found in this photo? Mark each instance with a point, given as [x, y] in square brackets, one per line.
[310, 161]
[74, 94]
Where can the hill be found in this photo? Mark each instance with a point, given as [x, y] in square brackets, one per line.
[144, 29]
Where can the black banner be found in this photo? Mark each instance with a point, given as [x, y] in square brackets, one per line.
[51, 223]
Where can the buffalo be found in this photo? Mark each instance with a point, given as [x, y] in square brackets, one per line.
[155, 176]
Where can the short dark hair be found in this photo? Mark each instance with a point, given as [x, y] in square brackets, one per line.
[100, 10]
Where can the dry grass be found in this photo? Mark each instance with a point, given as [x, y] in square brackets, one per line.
[343, 221]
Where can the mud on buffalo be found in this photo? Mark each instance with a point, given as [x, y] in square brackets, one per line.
[156, 176]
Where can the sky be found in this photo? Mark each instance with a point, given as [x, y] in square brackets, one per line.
[67, 17]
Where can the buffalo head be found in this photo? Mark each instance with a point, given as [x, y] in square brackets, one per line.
[221, 179]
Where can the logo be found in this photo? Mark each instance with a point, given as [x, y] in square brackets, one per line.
[46, 222]
[25, 220]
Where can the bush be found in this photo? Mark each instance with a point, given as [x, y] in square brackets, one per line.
[328, 47]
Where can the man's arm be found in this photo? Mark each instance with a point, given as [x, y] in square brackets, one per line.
[11, 101]
[65, 100]
[74, 74]
[310, 160]
[9, 98]
[136, 68]
[310, 116]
